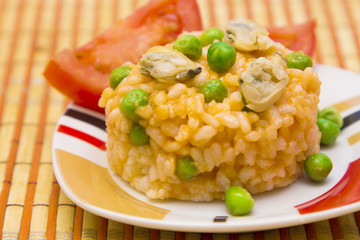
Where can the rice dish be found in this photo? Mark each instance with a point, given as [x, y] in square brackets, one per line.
[230, 144]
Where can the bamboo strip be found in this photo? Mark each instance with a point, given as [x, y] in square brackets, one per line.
[167, 235]
[308, 10]
[233, 236]
[274, 6]
[211, 11]
[89, 228]
[76, 19]
[106, 17]
[272, 234]
[10, 59]
[86, 22]
[344, 34]
[38, 231]
[79, 212]
[329, 17]
[102, 228]
[205, 13]
[96, 10]
[40, 208]
[53, 228]
[15, 201]
[179, 235]
[297, 232]
[141, 233]
[355, 34]
[16, 136]
[65, 218]
[310, 231]
[259, 235]
[154, 234]
[259, 14]
[115, 230]
[288, 12]
[246, 236]
[349, 227]
[248, 6]
[357, 217]
[2, 10]
[323, 230]
[220, 236]
[25, 223]
[206, 236]
[129, 232]
[285, 233]
[239, 11]
[230, 9]
[52, 214]
[221, 15]
[192, 236]
[269, 12]
[5, 145]
[115, 10]
[335, 228]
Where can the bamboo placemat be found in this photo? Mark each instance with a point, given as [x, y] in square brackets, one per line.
[32, 205]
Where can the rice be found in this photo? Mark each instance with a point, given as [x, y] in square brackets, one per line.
[258, 151]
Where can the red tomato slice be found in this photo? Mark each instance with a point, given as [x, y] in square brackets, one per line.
[83, 74]
[297, 37]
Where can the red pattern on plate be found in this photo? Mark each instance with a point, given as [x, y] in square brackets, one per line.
[83, 136]
[346, 191]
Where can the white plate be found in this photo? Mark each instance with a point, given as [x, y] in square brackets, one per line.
[80, 166]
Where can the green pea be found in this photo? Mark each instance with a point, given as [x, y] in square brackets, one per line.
[221, 57]
[117, 75]
[210, 35]
[134, 99]
[138, 136]
[238, 201]
[329, 131]
[318, 166]
[214, 89]
[332, 114]
[189, 45]
[298, 60]
[185, 168]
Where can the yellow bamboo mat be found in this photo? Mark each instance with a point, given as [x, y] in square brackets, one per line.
[32, 205]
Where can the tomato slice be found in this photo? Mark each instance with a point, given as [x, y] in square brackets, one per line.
[83, 73]
[297, 37]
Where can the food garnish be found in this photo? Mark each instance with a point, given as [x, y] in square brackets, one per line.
[263, 83]
[245, 35]
[318, 166]
[238, 200]
[167, 65]
[221, 57]
[298, 60]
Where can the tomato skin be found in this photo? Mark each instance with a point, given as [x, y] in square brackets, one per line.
[82, 74]
[72, 83]
[300, 37]
[189, 20]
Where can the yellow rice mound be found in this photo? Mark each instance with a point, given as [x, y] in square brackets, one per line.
[258, 151]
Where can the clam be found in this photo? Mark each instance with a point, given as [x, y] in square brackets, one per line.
[167, 65]
[263, 83]
[245, 35]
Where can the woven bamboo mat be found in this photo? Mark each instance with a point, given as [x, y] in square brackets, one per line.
[32, 205]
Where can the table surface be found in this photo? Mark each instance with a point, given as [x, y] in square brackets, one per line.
[32, 204]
